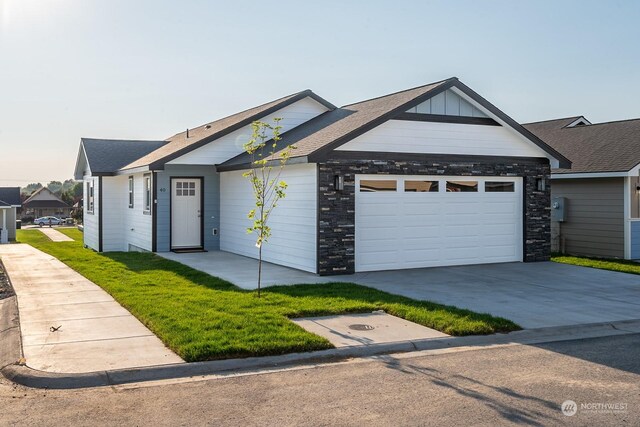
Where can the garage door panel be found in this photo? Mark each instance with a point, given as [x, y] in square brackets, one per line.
[412, 229]
[460, 230]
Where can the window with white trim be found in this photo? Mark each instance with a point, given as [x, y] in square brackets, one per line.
[147, 193]
[131, 192]
[89, 196]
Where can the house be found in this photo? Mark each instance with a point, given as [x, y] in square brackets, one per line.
[43, 202]
[9, 203]
[429, 176]
[597, 202]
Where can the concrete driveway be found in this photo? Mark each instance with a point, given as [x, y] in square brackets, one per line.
[534, 295]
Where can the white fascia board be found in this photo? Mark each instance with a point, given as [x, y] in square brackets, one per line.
[81, 153]
[555, 163]
[579, 175]
[578, 121]
[132, 171]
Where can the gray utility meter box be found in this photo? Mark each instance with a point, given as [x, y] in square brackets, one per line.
[559, 209]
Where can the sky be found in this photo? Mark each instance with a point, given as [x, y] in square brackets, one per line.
[147, 69]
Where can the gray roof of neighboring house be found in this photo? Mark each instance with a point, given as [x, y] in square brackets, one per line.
[599, 147]
[106, 156]
[10, 196]
[180, 144]
[45, 204]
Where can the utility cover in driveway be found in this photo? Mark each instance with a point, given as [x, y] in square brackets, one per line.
[364, 329]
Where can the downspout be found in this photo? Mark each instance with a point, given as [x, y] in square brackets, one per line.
[154, 212]
[627, 217]
[100, 214]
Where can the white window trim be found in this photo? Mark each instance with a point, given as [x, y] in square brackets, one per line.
[131, 192]
[90, 197]
[147, 193]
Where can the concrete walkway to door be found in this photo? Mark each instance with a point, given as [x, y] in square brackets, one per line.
[54, 235]
[94, 332]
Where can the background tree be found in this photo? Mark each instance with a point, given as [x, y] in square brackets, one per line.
[267, 187]
[55, 187]
[29, 189]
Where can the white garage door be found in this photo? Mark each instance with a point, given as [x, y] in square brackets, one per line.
[427, 221]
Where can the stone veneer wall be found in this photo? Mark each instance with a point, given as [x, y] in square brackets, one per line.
[336, 209]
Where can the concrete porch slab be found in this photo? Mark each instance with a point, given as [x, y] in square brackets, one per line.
[243, 271]
[366, 329]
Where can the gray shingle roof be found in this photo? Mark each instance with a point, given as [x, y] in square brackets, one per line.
[336, 127]
[324, 130]
[599, 147]
[45, 204]
[10, 195]
[106, 156]
[179, 144]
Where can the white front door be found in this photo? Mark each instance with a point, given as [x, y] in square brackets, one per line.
[186, 205]
[429, 221]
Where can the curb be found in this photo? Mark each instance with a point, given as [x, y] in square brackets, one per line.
[10, 337]
[39, 379]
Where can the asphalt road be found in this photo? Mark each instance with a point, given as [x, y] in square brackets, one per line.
[495, 386]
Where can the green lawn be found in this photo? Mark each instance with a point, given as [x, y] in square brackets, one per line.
[620, 265]
[202, 317]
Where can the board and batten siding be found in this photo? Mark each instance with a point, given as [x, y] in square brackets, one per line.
[595, 217]
[211, 201]
[404, 136]
[231, 145]
[90, 220]
[635, 239]
[293, 222]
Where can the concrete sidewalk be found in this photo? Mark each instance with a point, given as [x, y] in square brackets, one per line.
[95, 333]
[55, 235]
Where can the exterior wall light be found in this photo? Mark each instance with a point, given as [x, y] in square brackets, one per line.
[541, 184]
[338, 183]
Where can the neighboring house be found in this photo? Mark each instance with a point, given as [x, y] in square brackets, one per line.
[43, 202]
[9, 203]
[430, 176]
[601, 191]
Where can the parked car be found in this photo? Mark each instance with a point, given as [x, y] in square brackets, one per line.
[46, 220]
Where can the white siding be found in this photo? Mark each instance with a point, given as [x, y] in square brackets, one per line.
[122, 225]
[113, 193]
[231, 145]
[401, 136]
[90, 221]
[293, 222]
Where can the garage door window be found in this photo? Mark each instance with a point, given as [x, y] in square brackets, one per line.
[371, 185]
[462, 186]
[421, 186]
[499, 187]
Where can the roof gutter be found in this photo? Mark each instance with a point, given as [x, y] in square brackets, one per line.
[244, 166]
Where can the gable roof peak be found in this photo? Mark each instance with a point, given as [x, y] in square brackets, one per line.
[416, 88]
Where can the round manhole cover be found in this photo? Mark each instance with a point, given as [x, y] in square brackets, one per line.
[361, 327]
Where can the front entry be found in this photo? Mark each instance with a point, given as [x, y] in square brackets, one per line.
[186, 213]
